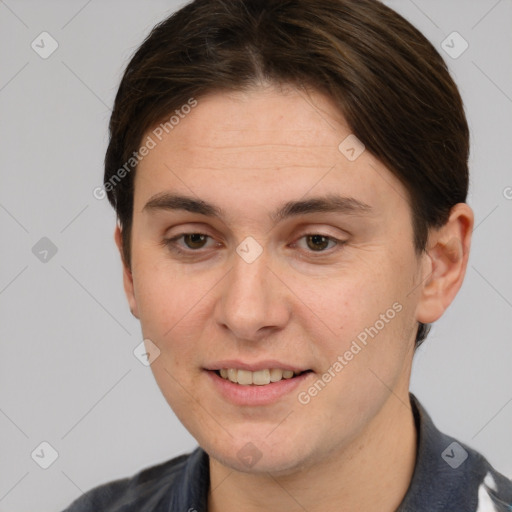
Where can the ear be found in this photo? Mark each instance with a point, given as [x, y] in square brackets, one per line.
[447, 259]
[127, 274]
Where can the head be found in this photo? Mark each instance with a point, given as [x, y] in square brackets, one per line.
[290, 181]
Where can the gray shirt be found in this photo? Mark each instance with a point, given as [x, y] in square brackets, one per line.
[448, 477]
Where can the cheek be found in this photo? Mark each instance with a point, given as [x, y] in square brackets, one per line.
[162, 297]
[368, 314]
[159, 301]
[175, 306]
[350, 302]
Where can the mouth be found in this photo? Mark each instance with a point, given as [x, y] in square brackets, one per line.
[264, 377]
[262, 387]
[257, 383]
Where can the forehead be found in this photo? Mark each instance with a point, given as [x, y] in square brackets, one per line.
[262, 145]
[265, 114]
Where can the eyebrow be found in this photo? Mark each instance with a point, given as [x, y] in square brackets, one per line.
[331, 203]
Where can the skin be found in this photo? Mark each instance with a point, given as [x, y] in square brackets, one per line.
[353, 446]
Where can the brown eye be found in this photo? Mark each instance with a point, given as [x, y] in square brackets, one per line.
[194, 240]
[317, 242]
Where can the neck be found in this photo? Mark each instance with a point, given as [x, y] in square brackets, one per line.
[372, 473]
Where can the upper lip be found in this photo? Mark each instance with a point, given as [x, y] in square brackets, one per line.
[254, 367]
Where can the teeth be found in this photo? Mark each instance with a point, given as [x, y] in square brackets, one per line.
[276, 374]
[259, 378]
[244, 377]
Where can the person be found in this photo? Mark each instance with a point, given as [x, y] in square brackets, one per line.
[290, 182]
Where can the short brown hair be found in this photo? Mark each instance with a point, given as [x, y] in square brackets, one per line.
[389, 82]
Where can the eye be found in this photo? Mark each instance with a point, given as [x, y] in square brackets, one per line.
[317, 242]
[192, 242]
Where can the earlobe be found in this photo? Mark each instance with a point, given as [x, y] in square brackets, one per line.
[127, 274]
[448, 253]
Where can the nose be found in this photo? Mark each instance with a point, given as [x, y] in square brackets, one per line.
[252, 303]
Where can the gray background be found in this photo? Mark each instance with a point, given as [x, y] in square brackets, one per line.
[68, 374]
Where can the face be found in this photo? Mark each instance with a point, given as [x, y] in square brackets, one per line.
[258, 245]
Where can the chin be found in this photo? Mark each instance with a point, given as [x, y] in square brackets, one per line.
[277, 466]
[258, 456]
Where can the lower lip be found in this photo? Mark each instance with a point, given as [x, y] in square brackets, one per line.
[253, 394]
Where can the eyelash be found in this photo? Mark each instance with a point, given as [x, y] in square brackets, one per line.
[171, 244]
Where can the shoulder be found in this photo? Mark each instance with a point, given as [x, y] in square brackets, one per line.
[146, 490]
[494, 492]
[450, 475]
